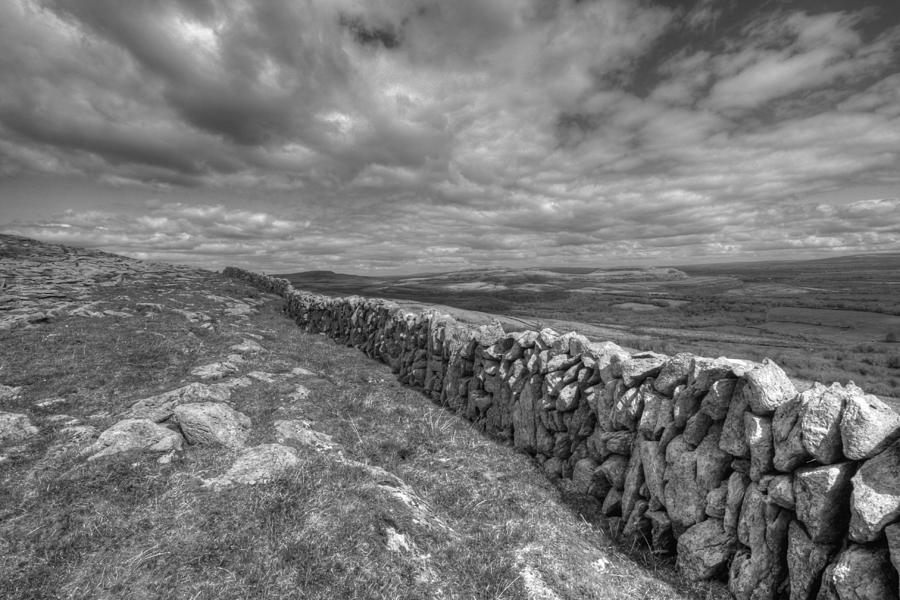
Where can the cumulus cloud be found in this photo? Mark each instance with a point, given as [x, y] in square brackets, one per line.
[375, 134]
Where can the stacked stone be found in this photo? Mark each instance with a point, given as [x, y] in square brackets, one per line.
[722, 461]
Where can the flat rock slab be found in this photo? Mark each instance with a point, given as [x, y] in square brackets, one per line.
[256, 465]
[15, 428]
[135, 434]
[213, 423]
[160, 407]
[299, 431]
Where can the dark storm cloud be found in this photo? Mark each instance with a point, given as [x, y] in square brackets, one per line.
[363, 133]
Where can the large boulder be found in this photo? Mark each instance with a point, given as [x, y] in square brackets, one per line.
[875, 501]
[704, 550]
[822, 498]
[868, 425]
[213, 423]
[768, 387]
[15, 428]
[134, 434]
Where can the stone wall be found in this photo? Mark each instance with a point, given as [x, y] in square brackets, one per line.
[720, 461]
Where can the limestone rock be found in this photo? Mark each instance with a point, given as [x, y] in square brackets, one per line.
[696, 428]
[716, 401]
[524, 416]
[892, 533]
[652, 402]
[875, 501]
[685, 501]
[787, 437]
[247, 347]
[609, 358]
[712, 462]
[615, 468]
[627, 409]
[864, 573]
[257, 465]
[585, 474]
[160, 407]
[674, 372]
[758, 433]
[781, 491]
[716, 501]
[15, 428]
[568, 398]
[820, 422]
[209, 423]
[822, 497]
[805, 560]
[134, 434]
[763, 527]
[299, 431]
[634, 480]
[868, 425]
[704, 550]
[640, 366]
[654, 466]
[707, 370]
[685, 405]
[768, 387]
[661, 539]
[612, 504]
[733, 439]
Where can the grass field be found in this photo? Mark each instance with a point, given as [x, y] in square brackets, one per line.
[395, 498]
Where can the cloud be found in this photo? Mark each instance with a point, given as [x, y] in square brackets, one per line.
[372, 134]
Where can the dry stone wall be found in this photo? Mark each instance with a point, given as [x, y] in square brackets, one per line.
[721, 461]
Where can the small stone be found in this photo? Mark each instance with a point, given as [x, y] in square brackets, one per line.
[733, 440]
[716, 501]
[674, 373]
[758, 433]
[615, 469]
[716, 401]
[640, 366]
[781, 491]
[787, 435]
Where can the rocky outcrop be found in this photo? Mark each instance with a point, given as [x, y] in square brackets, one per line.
[142, 435]
[212, 423]
[721, 460]
[15, 428]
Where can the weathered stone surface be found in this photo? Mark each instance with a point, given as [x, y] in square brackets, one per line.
[662, 541]
[716, 401]
[637, 524]
[15, 428]
[612, 504]
[875, 501]
[787, 437]
[134, 434]
[210, 423]
[733, 439]
[652, 402]
[664, 417]
[618, 442]
[716, 501]
[707, 370]
[634, 479]
[684, 499]
[300, 432]
[640, 366]
[627, 409]
[525, 418]
[820, 422]
[781, 491]
[654, 466]
[161, 406]
[704, 550]
[763, 527]
[615, 468]
[822, 497]
[768, 387]
[805, 560]
[685, 405]
[568, 398]
[257, 465]
[868, 425]
[864, 573]
[758, 433]
[712, 462]
[737, 486]
[583, 475]
[674, 372]
[696, 428]
[892, 533]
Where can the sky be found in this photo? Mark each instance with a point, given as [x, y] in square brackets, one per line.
[392, 136]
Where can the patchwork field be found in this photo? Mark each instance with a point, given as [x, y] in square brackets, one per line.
[826, 320]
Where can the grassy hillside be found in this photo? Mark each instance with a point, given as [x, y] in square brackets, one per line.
[389, 496]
